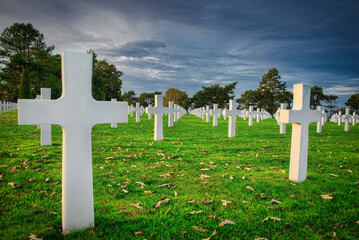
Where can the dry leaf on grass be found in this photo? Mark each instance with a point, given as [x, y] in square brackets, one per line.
[191, 201]
[275, 201]
[137, 205]
[272, 207]
[148, 192]
[225, 202]
[247, 169]
[214, 217]
[33, 237]
[246, 202]
[225, 222]
[249, 187]
[124, 190]
[275, 219]
[175, 193]
[204, 176]
[333, 175]
[193, 212]
[214, 233]
[165, 185]
[138, 233]
[200, 229]
[327, 196]
[206, 201]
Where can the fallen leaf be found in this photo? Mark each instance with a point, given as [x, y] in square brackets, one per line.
[204, 176]
[130, 212]
[249, 187]
[200, 229]
[261, 239]
[333, 175]
[214, 217]
[12, 184]
[214, 233]
[246, 202]
[124, 190]
[225, 222]
[148, 192]
[203, 182]
[138, 233]
[327, 196]
[165, 185]
[349, 171]
[137, 205]
[247, 169]
[275, 201]
[231, 177]
[204, 169]
[193, 212]
[192, 201]
[334, 234]
[293, 196]
[206, 201]
[33, 237]
[272, 207]
[141, 184]
[175, 193]
[275, 219]
[225, 202]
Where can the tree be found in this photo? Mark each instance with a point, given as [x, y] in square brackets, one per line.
[353, 102]
[272, 91]
[331, 104]
[177, 97]
[25, 86]
[21, 46]
[146, 99]
[250, 98]
[316, 96]
[106, 79]
[214, 94]
[129, 97]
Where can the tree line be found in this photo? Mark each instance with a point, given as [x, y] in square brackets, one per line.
[28, 64]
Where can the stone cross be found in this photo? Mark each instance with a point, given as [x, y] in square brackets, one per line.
[215, 113]
[324, 117]
[1, 107]
[45, 136]
[149, 114]
[282, 126]
[158, 110]
[178, 112]
[38, 97]
[250, 116]
[207, 113]
[244, 114]
[170, 114]
[320, 122]
[258, 114]
[346, 119]
[300, 117]
[232, 114]
[137, 109]
[130, 109]
[175, 110]
[354, 118]
[339, 118]
[77, 112]
[224, 113]
[113, 125]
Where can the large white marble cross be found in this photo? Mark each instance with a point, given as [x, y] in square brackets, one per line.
[45, 136]
[300, 117]
[346, 119]
[215, 113]
[232, 114]
[250, 116]
[77, 112]
[158, 110]
[282, 126]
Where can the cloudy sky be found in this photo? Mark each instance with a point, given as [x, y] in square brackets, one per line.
[188, 44]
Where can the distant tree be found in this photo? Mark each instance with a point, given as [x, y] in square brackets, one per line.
[130, 97]
[25, 86]
[353, 102]
[146, 99]
[214, 94]
[331, 104]
[22, 46]
[272, 91]
[316, 96]
[177, 97]
[250, 98]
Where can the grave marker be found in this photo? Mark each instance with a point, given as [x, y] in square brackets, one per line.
[207, 113]
[347, 116]
[250, 116]
[170, 114]
[339, 118]
[77, 112]
[215, 113]
[113, 125]
[158, 110]
[282, 126]
[300, 117]
[45, 136]
[137, 109]
[319, 123]
[258, 115]
[232, 115]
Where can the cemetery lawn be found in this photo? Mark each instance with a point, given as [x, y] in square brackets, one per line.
[193, 185]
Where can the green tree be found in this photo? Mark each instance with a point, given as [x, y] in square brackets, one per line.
[272, 91]
[331, 104]
[146, 99]
[25, 86]
[106, 79]
[21, 46]
[214, 94]
[130, 97]
[353, 102]
[316, 96]
[177, 97]
[250, 98]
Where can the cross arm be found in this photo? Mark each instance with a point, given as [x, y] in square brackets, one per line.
[39, 112]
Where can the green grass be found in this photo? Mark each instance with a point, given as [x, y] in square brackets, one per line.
[31, 203]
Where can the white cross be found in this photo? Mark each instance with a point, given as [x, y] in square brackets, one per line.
[319, 123]
[130, 109]
[258, 114]
[170, 114]
[77, 112]
[282, 126]
[113, 125]
[1, 104]
[339, 118]
[224, 113]
[244, 114]
[346, 118]
[207, 113]
[215, 113]
[300, 117]
[38, 97]
[149, 114]
[158, 110]
[175, 110]
[45, 137]
[324, 117]
[250, 116]
[137, 109]
[232, 115]
[354, 118]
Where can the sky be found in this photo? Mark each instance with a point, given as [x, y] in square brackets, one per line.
[187, 44]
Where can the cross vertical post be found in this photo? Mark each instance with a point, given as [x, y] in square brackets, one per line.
[300, 117]
[346, 119]
[170, 114]
[45, 135]
[258, 115]
[282, 126]
[232, 113]
[319, 123]
[250, 116]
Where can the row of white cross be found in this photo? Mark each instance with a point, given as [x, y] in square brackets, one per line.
[7, 106]
[347, 118]
[78, 119]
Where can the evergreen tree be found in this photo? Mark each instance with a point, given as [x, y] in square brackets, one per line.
[25, 86]
[353, 102]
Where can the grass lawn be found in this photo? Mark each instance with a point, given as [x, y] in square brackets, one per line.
[178, 188]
